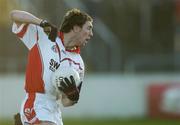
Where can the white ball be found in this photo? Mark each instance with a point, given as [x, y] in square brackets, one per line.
[63, 72]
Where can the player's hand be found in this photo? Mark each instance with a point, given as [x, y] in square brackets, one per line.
[69, 88]
[50, 29]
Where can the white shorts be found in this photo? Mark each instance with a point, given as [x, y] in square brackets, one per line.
[38, 107]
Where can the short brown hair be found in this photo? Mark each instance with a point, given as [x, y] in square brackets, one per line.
[74, 17]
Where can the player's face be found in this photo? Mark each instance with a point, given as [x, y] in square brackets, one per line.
[85, 33]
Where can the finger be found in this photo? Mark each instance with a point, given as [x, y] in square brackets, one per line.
[72, 80]
[53, 34]
[63, 84]
[67, 81]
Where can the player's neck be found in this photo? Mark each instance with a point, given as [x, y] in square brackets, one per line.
[69, 39]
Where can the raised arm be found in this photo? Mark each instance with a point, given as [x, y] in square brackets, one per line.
[20, 17]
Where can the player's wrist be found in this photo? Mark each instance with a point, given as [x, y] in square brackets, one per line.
[43, 23]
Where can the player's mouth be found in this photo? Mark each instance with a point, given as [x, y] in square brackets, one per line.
[86, 41]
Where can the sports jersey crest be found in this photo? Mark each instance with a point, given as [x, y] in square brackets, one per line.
[54, 48]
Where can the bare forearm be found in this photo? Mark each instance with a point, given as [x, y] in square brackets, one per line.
[24, 17]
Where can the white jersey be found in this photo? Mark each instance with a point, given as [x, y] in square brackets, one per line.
[44, 57]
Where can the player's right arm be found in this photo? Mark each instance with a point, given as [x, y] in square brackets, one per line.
[26, 27]
[23, 26]
[20, 17]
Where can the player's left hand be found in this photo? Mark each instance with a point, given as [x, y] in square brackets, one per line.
[50, 29]
[69, 88]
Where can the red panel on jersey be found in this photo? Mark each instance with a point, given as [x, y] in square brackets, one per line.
[29, 111]
[23, 31]
[34, 81]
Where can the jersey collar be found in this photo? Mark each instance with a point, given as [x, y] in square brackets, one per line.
[75, 49]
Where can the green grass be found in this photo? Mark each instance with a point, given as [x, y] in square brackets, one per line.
[6, 122]
[110, 122]
[121, 122]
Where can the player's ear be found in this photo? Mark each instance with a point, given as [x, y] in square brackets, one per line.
[76, 28]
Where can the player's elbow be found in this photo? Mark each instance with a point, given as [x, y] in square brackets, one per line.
[13, 14]
[17, 15]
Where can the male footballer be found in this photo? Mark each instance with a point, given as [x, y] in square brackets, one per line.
[49, 47]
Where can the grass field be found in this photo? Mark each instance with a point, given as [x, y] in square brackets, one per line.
[110, 122]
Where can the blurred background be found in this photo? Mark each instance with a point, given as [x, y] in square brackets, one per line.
[132, 62]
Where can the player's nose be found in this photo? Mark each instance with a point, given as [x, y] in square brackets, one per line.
[91, 33]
